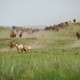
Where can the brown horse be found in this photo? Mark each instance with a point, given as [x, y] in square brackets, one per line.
[11, 45]
[78, 35]
[12, 34]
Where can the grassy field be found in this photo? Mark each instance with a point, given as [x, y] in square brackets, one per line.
[54, 56]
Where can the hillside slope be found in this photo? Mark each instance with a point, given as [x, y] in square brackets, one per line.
[64, 38]
[54, 56]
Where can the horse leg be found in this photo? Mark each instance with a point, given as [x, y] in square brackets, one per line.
[21, 50]
[24, 49]
[18, 51]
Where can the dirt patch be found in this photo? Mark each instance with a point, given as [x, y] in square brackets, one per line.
[35, 45]
[76, 44]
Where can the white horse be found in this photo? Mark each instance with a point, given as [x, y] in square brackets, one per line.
[20, 48]
[29, 48]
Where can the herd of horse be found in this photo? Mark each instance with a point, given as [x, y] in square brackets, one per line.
[21, 48]
[57, 26]
[31, 30]
[60, 25]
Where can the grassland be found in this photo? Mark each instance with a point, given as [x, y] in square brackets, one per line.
[54, 56]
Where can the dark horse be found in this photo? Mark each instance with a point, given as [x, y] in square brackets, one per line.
[74, 20]
[20, 35]
[78, 35]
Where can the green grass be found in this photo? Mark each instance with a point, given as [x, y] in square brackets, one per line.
[40, 65]
[57, 60]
